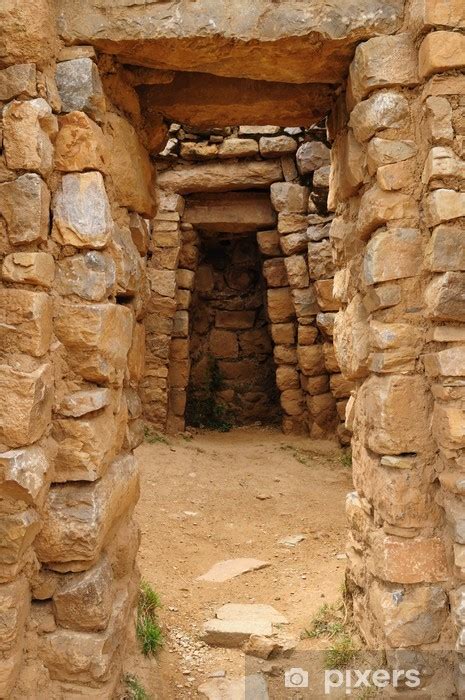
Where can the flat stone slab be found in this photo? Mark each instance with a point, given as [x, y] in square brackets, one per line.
[230, 568]
[291, 540]
[251, 611]
[233, 633]
[253, 687]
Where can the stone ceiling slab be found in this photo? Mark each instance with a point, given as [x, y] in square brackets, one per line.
[287, 41]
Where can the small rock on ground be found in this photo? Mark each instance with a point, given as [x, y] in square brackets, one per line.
[229, 568]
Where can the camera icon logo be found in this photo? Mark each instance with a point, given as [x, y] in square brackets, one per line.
[295, 678]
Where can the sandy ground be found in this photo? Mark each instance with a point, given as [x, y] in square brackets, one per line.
[219, 496]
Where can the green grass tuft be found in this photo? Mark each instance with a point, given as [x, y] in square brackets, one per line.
[135, 690]
[151, 436]
[147, 628]
[342, 652]
[328, 622]
[346, 458]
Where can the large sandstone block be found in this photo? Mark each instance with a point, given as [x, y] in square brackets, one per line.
[136, 354]
[439, 112]
[232, 212]
[27, 130]
[80, 144]
[286, 196]
[80, 88]
[276, 146]
[17, 532]
[129, 166]
[396, 414]
[297, 271]
[382, 152]
[238, 148]
[220, 177]
[449, 425]
[14, 610]
[279, 305]
[383, 110]
[351, 339]
[446, 250]
[268, 243]
[81, 211]
[348, 165]
[25, 404]
[90, 659]
[401, 560]
[274, 272]
[84, 601]
[27, 321]
[320, 260]
[79, 519]
[404, 497]
[25, 204]
[29, 268]
[91, 276]
[28, 32]
[441, 51]
[446, 363]
[311, 360]
[88, 332]
[392, 254]
[445, 297]
[378, 207]
[442, 164]
[444, 205]
[444, 13]
[383, 62]
[409, 616]
[128, 263]
[311, 156]
[88, 444]
[18, 80]
[305, 303]
[25, 474]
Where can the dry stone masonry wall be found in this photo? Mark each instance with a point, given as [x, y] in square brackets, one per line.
[288, 167]
[75, 194]
[397, 186]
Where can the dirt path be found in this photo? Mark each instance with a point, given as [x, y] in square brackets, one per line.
[221, 496]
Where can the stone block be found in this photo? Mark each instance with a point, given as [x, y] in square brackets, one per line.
[129, 165]
[181, 324]
[81, 211]
[90, 659]
[307, 335]
[446, 249]
[88, 333]
[268, 243]
[162, 282]
[289, 169]
[391, 254]
[291, 222]
[444, 205]
[441, 51]
[292, 402]
[25, 404]
[445, 297]
[340, 386]
[18, 80]
[409, 617]
[386, 152]
[25, 475]
[449, 425]
[287, 196]
[274, 271]
[78, 403]
[383, 110]
[297, 271]
[287, 377]
[87, 445]
[220, 176]
[351, 339]
[177, 401]
[235, 320]
[321, 178]
[394, 177]
[192, 150]
[27, 130]
[80, 144]
[311, 156]
[396, 414]
[276, 146]
[446, 363]
[140, 233]
[324, 295]
[283, 333]
[404, 497]
[285, 355]
[378, 207]
[84, 601]
[91, 276]
[14, 607]
[446, 13]
[80, 88]
[325, 321]
[384, 61]
[305, 303]
[294, 243]
[401, 560]
[238, 148]
[439, 112]
[320, 260]
[25, 205]
[233, 633]
[329, 354]
[27, 321]
[29, 268]
[223, 343]
[442, 164]
[347, 172]
[185, 279]
[311, 360]
[17, 530]
[79, 518]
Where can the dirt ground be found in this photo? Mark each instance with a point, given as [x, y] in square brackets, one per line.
[217, 496]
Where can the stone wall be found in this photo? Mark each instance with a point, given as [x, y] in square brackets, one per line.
[290, 168]
[397, 185]
[75, 191]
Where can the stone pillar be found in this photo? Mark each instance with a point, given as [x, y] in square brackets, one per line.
[75, 194]
[397, 187]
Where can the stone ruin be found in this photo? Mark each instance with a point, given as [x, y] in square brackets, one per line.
[119, 171]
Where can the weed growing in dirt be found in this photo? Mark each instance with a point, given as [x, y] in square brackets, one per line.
[202, 408]
[151, 436]
[147, 628]
[341, 652]
[134, 689]
[327, 622]
[298, 455]
[346, 458]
